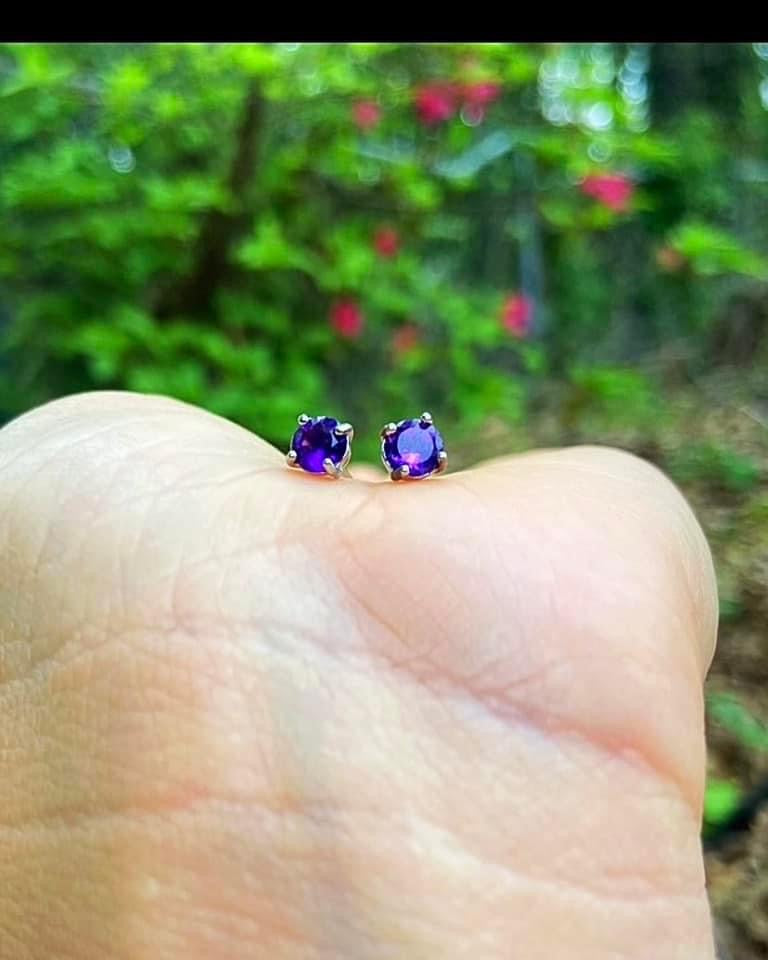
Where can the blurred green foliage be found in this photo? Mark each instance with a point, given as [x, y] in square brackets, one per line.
[721, 799]
[716, 466]
[726, 710]
[185, 218]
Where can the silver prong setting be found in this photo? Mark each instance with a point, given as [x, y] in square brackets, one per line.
[344, 430]
[331, 469]
[291, 457]
[402, 473]
[342, 468]
[442, 462]
[303, 419]
[426, 418]
[388, 429]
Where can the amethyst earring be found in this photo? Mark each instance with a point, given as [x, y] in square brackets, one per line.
[321, 445]
[413, 449]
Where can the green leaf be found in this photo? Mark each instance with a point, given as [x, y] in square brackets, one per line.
[71, 174]
[127, 81]
[268, 248]
[253, 59]
[534, 358]
[730, 713]
[721, 799]
[622, 394]
[713, 251]
[716, 465]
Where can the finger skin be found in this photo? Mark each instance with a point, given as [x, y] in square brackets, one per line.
[249, 712]
[369, 473]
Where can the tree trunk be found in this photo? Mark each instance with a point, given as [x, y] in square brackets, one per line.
[194, 294]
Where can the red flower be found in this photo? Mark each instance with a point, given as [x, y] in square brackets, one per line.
[477, 97]
[435, 103]
[613, 190]
[347, 318]
[517, 314]
[480, 94]
[405, 339]
[366, 114]
[386, 241]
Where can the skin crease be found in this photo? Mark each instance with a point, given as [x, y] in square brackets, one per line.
[246, 712]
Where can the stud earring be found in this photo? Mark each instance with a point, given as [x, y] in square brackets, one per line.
[321, 445]
[413, 449]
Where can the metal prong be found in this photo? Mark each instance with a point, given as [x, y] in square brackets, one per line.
[344, 430]
[388, 429]
[291, 457]
[426, 417]
[331, 469]
[401, 473]
[302, 419]
[442, 461]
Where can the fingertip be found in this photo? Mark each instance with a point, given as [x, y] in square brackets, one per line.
[628, 493]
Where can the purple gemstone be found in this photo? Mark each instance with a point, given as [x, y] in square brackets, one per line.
[316, 441]
[414, 444]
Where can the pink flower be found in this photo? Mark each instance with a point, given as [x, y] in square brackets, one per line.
[405, 339]
[517, 314]
[347, 318]
[366, 114]
[435, 103]
[386, 241]
[613, 190]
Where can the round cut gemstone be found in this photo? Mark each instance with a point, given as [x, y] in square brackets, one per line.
[414, 444]
[316, 441]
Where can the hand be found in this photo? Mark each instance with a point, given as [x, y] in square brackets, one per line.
[249, 713]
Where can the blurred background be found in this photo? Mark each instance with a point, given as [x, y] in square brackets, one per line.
[540, 243]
